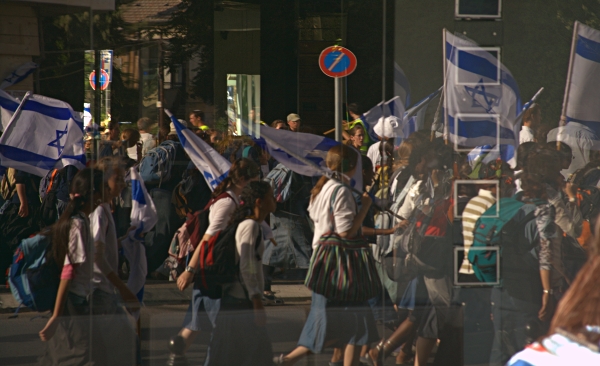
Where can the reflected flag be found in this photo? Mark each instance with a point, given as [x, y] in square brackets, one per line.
[583, 88]
[19, 74]
[482, 98]
[393, 107]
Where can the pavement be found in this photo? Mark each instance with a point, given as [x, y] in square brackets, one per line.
[165, 293]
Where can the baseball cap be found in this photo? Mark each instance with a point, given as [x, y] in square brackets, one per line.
[293, 117]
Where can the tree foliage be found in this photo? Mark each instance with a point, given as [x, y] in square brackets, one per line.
[189, 34]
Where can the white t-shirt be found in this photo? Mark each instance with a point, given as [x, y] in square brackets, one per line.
[80, 253]
[220, 213]
[106, 258]
[581, 139]
[526, 135]
[344, 210]
[411, 200]
[249, 258]
[148, 142]
[374, 154]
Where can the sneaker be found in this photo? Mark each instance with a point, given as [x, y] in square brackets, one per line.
[271, 299]
[278, 360]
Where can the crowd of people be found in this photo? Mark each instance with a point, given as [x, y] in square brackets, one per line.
[461, 244]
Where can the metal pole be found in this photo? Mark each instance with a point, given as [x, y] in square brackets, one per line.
[161, 85]
[98, 89]
[337, 82]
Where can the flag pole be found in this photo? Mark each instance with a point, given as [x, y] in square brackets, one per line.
[444, 93]
[17, 111]
[563, 116]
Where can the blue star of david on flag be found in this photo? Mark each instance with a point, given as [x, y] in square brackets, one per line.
[56, 143]
[481, 98]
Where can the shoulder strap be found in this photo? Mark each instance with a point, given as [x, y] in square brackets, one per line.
[219, 197]
[332, 202]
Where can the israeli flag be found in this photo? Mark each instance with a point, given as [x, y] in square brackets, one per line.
[18, 75]
[303, 153]
[393, 107]
[211, 164]
[482, 98]
[401, 85]
[143, 218]
[8, 105]
[414, 117]
[45, 134]
[583, 89]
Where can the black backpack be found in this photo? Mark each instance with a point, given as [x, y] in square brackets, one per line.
[217, 262]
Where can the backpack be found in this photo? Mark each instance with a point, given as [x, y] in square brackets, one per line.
[425, 246]
[190, 195]
[49, 209]
[155, 167]
[188, 236]
[588, 200]
[280, 179]
[217, 262]
[497, 229]
[8, 185]
[33, 278]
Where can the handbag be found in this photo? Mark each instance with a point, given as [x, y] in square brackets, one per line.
[343, 269]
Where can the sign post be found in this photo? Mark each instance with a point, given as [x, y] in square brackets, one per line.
[337, 62]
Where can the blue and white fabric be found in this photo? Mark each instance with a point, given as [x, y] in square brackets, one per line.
[482, 98]
[8, 105]
[584, 87]
[401, 85]
[143, 218]
[303, 153]
[45, 135]
[212, 165]
[414, 117]
[19, 74]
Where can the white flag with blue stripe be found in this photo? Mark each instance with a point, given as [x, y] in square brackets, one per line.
[482, 98]
[303, 153]
[211, 164]
[582, 104]
[414, 117]
[18, 75]
[401, 85]
[143, 218]
[8, 105]
[46, 134]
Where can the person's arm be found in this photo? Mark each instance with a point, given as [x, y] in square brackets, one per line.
[544, 216]
[21, 192]
[359, 218]
[100, 260]
[61, 297]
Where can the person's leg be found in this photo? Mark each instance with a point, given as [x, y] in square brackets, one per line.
[351, 355]
[293, 357]
[338, 355]
[406, 352]
[364, 350]
[424, 348]
[188, 336]
[386, 347]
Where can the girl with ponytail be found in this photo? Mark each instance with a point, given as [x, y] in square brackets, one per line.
[225, 200]
[334, 323]
[72, 249]
[242, 329]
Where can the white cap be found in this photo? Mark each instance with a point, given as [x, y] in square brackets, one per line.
[389, 127]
